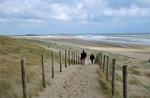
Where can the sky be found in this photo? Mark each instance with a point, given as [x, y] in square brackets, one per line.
[74, 16]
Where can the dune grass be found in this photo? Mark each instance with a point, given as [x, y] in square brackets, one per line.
[136, 68]
[105, 85]
[11, 51]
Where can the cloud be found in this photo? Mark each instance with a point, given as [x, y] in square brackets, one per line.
[95, 3]
[61, 16]
[42, 9]
[81, 10]
[23, 22]
[133, 11]
[59, 12]
[74, 11]
[143, 3]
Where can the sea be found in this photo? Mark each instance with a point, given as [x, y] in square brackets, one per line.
[119, 39]
[138, 39]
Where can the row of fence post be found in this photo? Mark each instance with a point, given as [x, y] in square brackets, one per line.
[75, 59]
[103, 61]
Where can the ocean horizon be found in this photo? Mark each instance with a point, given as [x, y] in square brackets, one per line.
[139, 39]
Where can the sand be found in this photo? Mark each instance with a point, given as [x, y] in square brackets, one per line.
[139, 52]
[82, 82]
[76, 81]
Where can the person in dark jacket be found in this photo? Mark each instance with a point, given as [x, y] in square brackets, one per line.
[83, 56]
[92, 58]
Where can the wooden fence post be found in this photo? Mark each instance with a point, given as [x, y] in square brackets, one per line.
[125, 81]
[104, 64]
[52, 64]
[60, 61]
[78, 59]
[113, 76]
[97, 59]
[74, 58]
[72, 62]
[101, 60]
[43, 71]
[65, 58]
[24, 89]
[69, 57]
[107, 68]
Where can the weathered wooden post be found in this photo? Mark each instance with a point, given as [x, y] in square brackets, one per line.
[69, 57]
[60, 61]
[107, 68]
[104, 64]
[125, 81]
[24, 89]
[113, 76]
[101, 60]
[43, 71]
[74, 58]
[97, 59]
[78, 59]
[65, 58]
[52, 64]
[72, 62]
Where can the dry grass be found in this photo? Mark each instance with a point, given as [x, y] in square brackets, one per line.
[105, 85]
[135, 68]
[11, 51]
[135, 71]
[134, 81]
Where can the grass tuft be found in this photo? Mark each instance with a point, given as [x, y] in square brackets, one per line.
[105, 85]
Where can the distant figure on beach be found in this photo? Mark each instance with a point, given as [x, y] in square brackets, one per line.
[92, 58]
[83, 56]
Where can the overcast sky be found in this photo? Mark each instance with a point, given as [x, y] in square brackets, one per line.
[74, 16]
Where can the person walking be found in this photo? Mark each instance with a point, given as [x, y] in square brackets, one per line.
[92, 58]
[83, 56]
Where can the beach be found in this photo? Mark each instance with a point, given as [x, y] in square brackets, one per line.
[138, 50]
[134, 55]
[42, 45]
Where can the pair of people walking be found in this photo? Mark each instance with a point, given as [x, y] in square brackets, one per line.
[84, 55]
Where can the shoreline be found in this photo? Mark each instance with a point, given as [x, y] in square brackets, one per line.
[137, 51]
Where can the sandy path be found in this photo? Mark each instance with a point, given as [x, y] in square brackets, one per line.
[74, 82]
